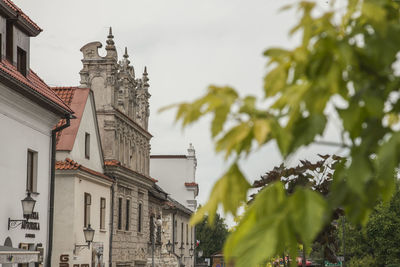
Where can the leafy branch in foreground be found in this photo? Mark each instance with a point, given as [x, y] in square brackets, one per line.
[345, 59]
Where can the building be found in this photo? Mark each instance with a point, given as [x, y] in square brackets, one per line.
[122, 106]
[29, 110]
[82, 191]
[178, 233]
[177, 175]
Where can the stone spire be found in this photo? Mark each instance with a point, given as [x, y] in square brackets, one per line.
[145, 78]
[126, 56]
[110, 47]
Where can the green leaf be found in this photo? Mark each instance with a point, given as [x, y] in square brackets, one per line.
[233, 138]
[308, 214]
[261, 129]
[230, 191]
[306, 129]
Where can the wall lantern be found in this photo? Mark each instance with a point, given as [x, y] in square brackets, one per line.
[28, 204]
[169, 246]
[182, 249]
[191, 250]
[88, 232]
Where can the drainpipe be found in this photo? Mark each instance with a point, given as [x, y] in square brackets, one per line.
[111, 225]
[52, 186]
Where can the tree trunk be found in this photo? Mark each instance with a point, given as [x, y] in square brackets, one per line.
[304, 262]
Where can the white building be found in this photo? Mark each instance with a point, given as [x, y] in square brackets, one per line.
[176, 174]
[82, 191]
[29, 110]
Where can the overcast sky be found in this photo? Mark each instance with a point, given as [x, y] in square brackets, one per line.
[186, 46]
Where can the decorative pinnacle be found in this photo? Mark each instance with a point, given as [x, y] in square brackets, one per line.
[145, 78]
[126, 53]
[110, 41]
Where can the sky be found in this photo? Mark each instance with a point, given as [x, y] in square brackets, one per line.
[186, 45]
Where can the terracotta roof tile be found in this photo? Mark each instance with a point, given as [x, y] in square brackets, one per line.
[191, 184]
[168, 156]
[23, 15]
[118, 163]
[69, 164]
[33, 81]
[75, 98]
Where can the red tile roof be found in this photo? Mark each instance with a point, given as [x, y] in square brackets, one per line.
[118, 163]
[76, 99]
[21, 13]
[168, 156]
[69, 164]
[191, 184]
[33, 81]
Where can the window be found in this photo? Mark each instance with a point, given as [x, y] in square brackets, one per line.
[102, 213]
[1, 46]
[187, 235]
[175, 233]
[88, 203]
[9, 40]
[140, 217]
[151, 228]
[128, 216]
[119, 213]
[21, 61]
[87, 145]
[181, 234]
[31, 171]
[158, 234]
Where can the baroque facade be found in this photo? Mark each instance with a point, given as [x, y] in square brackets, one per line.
[122, 106]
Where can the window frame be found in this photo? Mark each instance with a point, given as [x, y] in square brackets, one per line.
[86, 209]
[102, 213]
[31, 171]
[119, 221]
[140, 217]
[22, 61]
[127, 214]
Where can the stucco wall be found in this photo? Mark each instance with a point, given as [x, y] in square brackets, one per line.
[172, 173]
[23, 126]
[87, 125]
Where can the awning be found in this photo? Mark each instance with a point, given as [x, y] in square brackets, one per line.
[17, 255]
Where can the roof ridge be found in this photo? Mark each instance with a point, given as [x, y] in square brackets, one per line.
[19, 10]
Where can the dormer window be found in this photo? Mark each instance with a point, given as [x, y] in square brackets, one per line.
[21, 61]
[9, 40]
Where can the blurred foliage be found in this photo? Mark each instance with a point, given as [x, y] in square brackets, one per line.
[379, 239]
[211, 237]
[367, 260]
[345, 59]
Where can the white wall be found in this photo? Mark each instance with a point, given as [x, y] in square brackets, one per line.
[172, 173]
[23, 126]
[88, 125]
[69, 215]
[71, 186]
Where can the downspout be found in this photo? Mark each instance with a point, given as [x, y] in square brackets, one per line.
[111, 225]
[52, 186]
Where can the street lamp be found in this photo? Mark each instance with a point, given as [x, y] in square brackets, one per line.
[28, 204]
[88, 232]
[169, 246]
[158, 222]
[191, 250]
